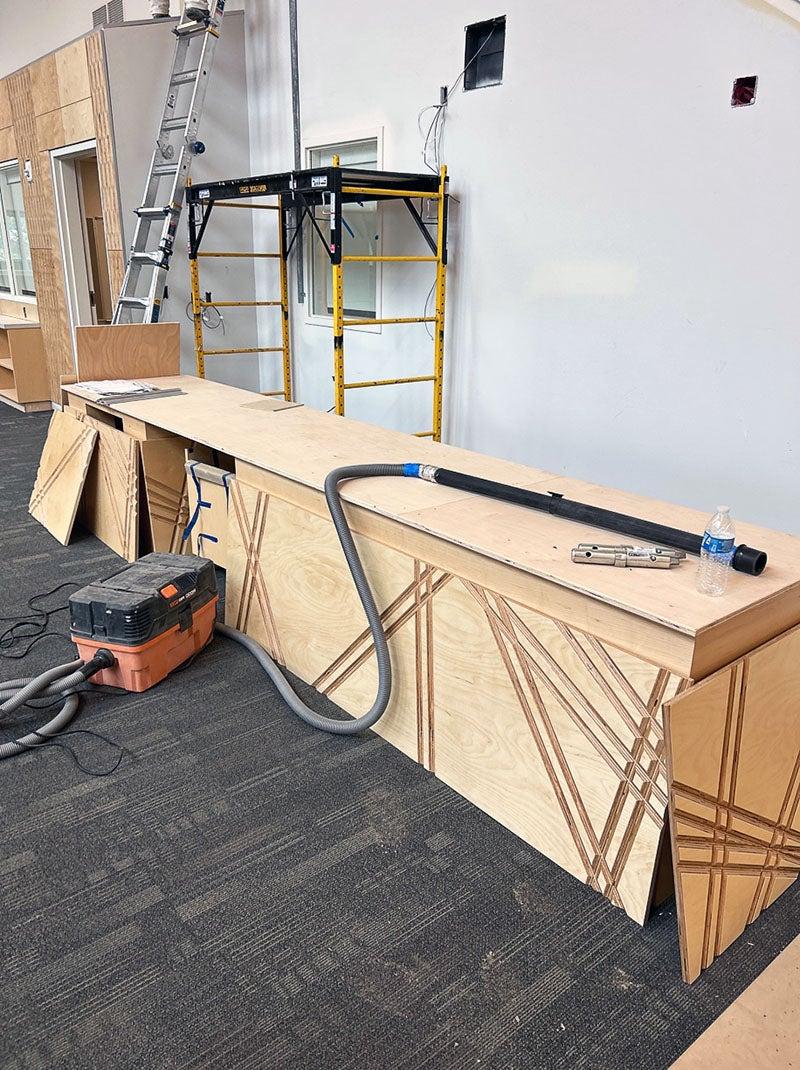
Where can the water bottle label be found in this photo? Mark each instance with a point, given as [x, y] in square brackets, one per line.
[717, 547]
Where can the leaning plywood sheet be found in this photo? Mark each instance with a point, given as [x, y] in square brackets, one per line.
[62, 473]
[163, 464]
[110, 506]
[556, 735]
[733, 745]
[128, 351]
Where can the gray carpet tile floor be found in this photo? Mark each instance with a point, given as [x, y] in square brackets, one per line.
[246, 893]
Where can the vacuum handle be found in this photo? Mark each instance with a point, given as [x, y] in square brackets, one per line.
[745, 558]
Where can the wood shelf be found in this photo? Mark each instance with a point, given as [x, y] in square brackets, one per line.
[23, 372]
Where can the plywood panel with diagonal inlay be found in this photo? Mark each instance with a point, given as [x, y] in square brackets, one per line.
[556, 735]
[62, 474]
[110, 504]
[164, 469]
[734, 773]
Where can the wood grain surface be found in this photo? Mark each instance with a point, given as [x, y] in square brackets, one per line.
[555, 734]
[734, 773]
[62, 473]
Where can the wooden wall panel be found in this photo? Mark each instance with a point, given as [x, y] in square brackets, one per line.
[44, 85]
[72, 69]
[733, 746]
[59, 100]
[6, 116]
[106, 165]
[8, 144]
[556, 735]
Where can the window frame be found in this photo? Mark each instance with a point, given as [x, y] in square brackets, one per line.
[326, 140]
[16, 293]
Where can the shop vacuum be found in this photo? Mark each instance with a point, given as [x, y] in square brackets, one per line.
[139, 625]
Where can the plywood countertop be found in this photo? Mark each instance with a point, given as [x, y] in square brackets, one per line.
[304, 444]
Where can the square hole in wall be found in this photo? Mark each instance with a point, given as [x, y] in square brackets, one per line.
[744, 91]
[483, 53]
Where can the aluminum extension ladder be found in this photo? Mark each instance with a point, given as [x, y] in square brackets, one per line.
[146, 274]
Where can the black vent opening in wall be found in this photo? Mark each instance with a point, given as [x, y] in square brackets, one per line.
[483, 53]
[744, 91]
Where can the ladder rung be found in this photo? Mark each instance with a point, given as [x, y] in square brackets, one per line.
[147, 258]
[154, 213]
[164, 169]
[252, 349]
[189, 29]
[182, 77]
[391, 382]
[175, 124]
[133, 302]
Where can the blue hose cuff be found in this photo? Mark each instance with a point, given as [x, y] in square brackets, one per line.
[411, 469]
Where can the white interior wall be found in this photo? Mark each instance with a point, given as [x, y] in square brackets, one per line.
[139, 59]
[623, 246]
[624, 254]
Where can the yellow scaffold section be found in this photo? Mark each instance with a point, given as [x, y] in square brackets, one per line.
[332, 188]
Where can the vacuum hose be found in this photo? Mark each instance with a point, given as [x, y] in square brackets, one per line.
[60, 680]
[745, 559]
[384, 692]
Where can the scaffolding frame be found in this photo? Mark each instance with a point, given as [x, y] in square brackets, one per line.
[199, 305]
[298, 193]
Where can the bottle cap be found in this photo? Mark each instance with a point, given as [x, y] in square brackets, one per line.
[723, 508]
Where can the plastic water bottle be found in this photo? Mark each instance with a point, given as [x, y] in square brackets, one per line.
[716, 553]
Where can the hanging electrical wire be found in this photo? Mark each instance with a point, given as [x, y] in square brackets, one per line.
[433, 136]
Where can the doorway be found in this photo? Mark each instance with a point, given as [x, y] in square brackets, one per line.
[76, 183]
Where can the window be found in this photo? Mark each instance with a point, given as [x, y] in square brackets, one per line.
[483, 53]
[16, 270]
[359, 237]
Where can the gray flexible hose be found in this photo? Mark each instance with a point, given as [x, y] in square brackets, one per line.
[384, 691]
[56, 681]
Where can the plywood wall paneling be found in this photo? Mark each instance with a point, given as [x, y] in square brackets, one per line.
[6, 116]
[8, 144]
[44, 85]
[60, 100]
[53, 316]
[110, 506]
[72, 71]
[65, 126]
[556, 735]
[62, 473]
[128, 351]
[734, 773]
[105, 151]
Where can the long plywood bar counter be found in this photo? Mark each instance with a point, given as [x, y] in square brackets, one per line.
[551, 695]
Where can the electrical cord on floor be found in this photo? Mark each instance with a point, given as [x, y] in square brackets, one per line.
[35, 622]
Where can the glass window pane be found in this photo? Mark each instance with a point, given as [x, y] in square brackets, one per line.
[16, 231]
[359, 237]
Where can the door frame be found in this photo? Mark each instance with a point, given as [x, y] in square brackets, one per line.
[71, 232]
